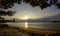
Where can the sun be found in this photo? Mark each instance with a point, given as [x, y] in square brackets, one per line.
[26, 17]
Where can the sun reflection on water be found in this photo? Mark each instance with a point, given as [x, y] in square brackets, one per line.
[26, 24]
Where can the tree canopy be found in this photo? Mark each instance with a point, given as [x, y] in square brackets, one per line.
[43, 3]
[5, 4]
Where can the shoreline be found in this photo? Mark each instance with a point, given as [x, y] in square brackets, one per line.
[30, 31]
[34, 30]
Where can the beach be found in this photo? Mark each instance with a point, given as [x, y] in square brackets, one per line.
[21, 31]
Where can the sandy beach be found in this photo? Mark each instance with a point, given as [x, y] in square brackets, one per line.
[20, 31]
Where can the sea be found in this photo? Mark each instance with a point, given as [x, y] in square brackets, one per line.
[37, 25]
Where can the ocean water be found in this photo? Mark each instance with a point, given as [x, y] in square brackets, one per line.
[37, 25]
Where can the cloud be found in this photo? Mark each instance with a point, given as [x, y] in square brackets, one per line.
[23, 8]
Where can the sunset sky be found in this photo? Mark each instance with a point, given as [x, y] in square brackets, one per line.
[25, 11]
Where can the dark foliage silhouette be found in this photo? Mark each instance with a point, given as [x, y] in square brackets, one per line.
[42, 3]
[5, 4]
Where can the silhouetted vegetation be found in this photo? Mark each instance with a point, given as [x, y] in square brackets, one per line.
[5, 4]
[42, 3]
[4, 13]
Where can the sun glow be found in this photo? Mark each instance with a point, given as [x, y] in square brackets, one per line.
[26, 17]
